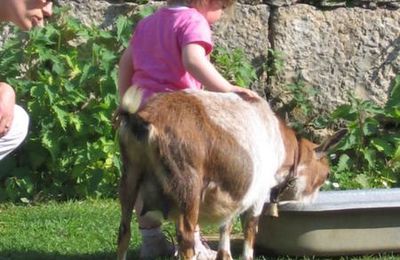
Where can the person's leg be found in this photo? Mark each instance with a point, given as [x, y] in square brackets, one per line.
[154, 242]
[201, 248]
[16, 134]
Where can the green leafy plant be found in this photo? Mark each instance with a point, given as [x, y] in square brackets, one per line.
[65, 75]
[369, 156]
[234, 66]
[276, 62]
[295, 104]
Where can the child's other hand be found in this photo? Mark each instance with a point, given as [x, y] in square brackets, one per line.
[246, 94]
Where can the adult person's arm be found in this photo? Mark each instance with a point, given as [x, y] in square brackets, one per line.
[13, 119]
[7, 103]
[25, 14]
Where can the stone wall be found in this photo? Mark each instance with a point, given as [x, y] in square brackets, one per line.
[339, 51]
[336, 49]
[342, 50]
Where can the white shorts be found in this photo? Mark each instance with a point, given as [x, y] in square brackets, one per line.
[17, 132]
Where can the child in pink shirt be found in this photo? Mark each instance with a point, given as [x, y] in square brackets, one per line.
[158, 42]
[169, 51]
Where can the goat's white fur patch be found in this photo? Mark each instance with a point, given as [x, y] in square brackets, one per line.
[258, 133]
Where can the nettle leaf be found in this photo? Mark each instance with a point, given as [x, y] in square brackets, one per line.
[87, 72]
[344, 163]
[347, 143]
[45, 53]
[121, 24]
[370, 127]
[124, 29]
[59, 68]
[105, 34]
[37, 92]
[146, 11]
[363, 180]
[371, 108]
[394, 96]
[345, 112]
[76, 122]
[50, 144]
[234, 66]
[396, 156]
[39, 38]
[370, 156]
[395, 113]
[49, 93]
[383, 145]
[107, 58]
[61, 116]
[74, 69]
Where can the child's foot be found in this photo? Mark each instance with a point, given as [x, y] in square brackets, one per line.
[202, 250]
[156, 245]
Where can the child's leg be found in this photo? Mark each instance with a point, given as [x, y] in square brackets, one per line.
[17, 132]
[201, 248]
[154, 242]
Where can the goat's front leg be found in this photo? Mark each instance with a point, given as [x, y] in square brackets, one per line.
[250, 227]
[187, 222]
[224, 247]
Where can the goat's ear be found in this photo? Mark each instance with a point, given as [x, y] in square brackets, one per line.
[323, 148]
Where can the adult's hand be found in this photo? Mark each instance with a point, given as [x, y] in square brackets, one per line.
[7, 103]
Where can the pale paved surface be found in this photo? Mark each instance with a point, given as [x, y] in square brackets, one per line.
[236, 243]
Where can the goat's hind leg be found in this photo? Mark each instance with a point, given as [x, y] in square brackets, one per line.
[128, 191]
[187, 222]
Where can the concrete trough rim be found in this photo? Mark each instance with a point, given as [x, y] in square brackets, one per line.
[339, 200]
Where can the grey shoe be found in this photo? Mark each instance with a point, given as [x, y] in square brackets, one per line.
[156, 246]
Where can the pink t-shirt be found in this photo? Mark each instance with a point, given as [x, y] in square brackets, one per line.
[157, 46]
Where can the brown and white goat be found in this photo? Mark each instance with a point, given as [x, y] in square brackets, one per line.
[201, 157]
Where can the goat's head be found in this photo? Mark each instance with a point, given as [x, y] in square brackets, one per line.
[311, 169]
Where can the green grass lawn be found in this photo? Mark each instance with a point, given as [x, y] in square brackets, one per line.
[74, 230]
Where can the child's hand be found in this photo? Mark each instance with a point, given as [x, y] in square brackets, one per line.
[246, 94]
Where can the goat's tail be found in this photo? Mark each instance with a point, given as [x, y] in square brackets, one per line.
[130, 104]
[128, 117]
[132, 99]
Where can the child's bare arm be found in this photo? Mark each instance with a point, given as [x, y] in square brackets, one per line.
[125, 71]
[198, 65]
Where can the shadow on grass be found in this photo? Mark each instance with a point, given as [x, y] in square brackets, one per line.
[34, 255]
[132, 254]
[236, 248]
